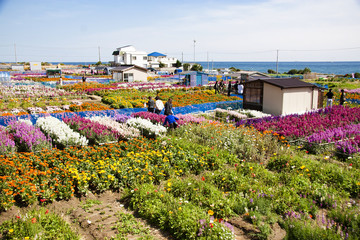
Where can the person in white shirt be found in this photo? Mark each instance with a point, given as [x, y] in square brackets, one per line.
[159, 105]
[240, 88]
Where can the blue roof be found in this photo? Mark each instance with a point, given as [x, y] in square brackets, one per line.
[156, 54]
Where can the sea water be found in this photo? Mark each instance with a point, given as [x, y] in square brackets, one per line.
[318, 67]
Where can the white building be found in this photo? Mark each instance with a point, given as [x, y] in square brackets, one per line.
[155, 58]
[128, 55]
[129, 73]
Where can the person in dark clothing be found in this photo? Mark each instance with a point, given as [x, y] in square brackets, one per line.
[171, 119]
[168, 107]
[329, 96]
[216, 87]
[151, 105]
[229, 88]
[221, 85]
[236, 87]
[84, 79]
[342, 97]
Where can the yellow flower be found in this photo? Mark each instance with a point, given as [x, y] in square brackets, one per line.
[26, 238]
[307, 170]
[211, 212]
[302, 167]
[179, 208]
[358, 183]
[169, 184]
[11, 230]
[170, 212]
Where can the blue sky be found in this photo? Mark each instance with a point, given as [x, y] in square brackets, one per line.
[227, 30]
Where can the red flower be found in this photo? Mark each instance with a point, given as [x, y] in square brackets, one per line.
[350, 164]
[203, 178]
[47, 211]
[220, 220]
[18, 217]
[236, 164]
[33, 220]
[211, 225]
[135, 189]
[156, 191]
[42, 200]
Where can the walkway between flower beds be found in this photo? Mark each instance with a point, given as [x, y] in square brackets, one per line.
[4, 121]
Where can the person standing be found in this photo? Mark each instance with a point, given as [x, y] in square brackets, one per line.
[216, 87]
[329, 96]
[221, 85]
[229, 88]
[168, 107]
[159, 105]
[342, 97]
[84, 78]
[151, 105]
[236, 87]
[240, 88]
[171, 119]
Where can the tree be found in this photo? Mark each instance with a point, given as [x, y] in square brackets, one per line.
[270, 71]
[161, 65]
[233, 69]
[98, 63]
[178, 64]
[196, 67]
[292, 71]
[186, 66]
[306, 70]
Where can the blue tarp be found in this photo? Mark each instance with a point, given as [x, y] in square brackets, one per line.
[4, 121]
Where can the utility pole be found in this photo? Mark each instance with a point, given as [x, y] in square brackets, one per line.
[277, 61]
[15, 52]
[194, 49]
[182, 57]
[99, 54]
[208, 62]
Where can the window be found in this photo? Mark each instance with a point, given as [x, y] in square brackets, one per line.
[134, 57]
[128, 77]
[144, 58]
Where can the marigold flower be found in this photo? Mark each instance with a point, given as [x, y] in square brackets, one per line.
[211, 212]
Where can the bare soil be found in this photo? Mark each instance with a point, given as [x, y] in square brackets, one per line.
[99, 220]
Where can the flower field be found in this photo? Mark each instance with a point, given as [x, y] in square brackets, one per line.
[197, 181]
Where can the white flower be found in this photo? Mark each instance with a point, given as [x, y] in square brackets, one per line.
[145, 126]
[127, 132]
[60, 132]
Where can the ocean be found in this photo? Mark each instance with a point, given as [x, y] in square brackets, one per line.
[318, 67]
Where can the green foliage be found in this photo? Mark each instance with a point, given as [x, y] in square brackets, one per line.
[270, 71]
[161, 65]
[196, 67]
[186, 66]
[37, 224]
[128, 225]
[233, 69]
[178, 64]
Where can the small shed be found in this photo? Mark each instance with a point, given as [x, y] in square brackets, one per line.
[17, 67]
[129, 73]
[35, 66]
[55, 72]
[194, 78]
[280, 96]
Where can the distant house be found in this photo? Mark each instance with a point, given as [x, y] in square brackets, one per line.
[280, 96]
[128, 55]
[35, 66]
[17, 67]
[155, 58]
[129, 73]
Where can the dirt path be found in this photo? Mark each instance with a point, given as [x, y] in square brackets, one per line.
[103, 216]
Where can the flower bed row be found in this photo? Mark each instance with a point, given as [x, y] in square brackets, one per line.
[299, 126]
[189, 182]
